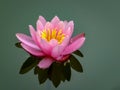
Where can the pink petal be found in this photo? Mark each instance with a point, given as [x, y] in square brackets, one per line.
[63, 58]
[65, 23]
[32, 50]
[45, 46]
[57, 51]
[55, 21]
[42, 19]
[45, 63]
[53, 42]
[48, 25]
[39, 26]
[32, 32]
[38, 38]
[65, 41]
[75, 45]
[26, 40]
[77, 36]
[69, 28]
[60, 25]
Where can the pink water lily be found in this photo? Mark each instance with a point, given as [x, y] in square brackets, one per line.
[51, 40]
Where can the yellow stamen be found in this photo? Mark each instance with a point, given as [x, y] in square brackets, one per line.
[48, 35]
[53, 34]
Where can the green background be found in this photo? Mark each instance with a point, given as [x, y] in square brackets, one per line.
[99, 19]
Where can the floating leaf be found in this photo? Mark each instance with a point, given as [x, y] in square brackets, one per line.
[79, 53]
[42, 75]
[18, 44]
[67, 71]
[60, 69]
[36, 70]
[55, 74]
[75, 64]
[62, 72]
[28, 64]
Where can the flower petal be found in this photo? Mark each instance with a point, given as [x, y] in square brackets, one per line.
[74, 46]
[77, 36]
[57, 51]
[60, 25]
[65, 23]
[55, 21]
[39, 26]
[48, 26]
[32, 32]
[69, 28]
[32, 50]
[44, 45]
[53, 42]
[26, 40]
[63, 58]
[42, 19]
[45, 63]
[65, 41]
[38, 38]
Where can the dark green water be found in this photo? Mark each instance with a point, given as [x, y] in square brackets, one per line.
[99, 19]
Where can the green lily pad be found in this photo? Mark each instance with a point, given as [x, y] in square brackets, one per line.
[18, 45]
[54, 74]
[42, 75]
[67, 71]
[79, 53]
[75, 64]
[36, 70]
[28, 64]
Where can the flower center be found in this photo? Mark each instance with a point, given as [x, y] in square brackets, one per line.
[53, 34]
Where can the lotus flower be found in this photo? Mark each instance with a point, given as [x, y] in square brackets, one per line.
[51, 40]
